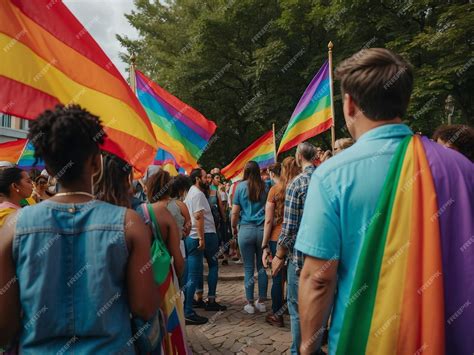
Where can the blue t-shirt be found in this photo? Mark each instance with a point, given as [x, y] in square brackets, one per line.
[250, 212]
[340, 203]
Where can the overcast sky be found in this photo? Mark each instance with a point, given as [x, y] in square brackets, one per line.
[104, 19]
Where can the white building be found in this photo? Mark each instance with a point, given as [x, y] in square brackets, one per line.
[12, 128]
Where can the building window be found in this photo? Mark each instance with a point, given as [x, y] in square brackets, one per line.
[6, 120]
[24, 124]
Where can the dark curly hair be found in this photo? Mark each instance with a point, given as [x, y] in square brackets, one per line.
[458, 136]
[179, 185]
[158, 186]
[65, 138]
[114, 185]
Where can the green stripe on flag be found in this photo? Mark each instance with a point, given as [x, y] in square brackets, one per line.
[359, 309]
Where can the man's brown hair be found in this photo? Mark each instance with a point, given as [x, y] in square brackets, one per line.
[379, 81]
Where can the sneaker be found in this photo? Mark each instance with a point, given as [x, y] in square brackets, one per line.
[260, 307]
[249, 308]
[214, 307]
[274, 320]
[199, 304]
[195, 319]
[240, 262]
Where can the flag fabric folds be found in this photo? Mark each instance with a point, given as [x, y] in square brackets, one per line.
[312, 115]
[262, 151]
[179, 128]
[167, 162]
[414, 274]
[49, 58]
[12, 151]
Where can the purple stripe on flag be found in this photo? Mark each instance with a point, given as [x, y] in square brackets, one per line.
[181, 116]
[308, 94]
[453, 177]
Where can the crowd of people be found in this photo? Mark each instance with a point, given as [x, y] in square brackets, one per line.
[78, 266]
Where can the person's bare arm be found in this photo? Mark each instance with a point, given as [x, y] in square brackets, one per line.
[315, 296]
[268, 226]
[144, 297]
[9, 293]
[234, 218]
[172, 239]
[199, 217]
[187, 218]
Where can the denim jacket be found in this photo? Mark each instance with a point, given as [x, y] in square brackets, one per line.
[71, 263]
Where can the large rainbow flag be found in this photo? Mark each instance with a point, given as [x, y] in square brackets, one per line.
[180, 129]
[312, 115]
[416, 267]
[48, 58]
[262, 151]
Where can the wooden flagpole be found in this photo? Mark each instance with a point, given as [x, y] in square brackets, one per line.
[274, 143]
[22, 152]
[133, 78]
[333, 126]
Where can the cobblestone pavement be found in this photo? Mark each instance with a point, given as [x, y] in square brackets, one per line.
[234, 331]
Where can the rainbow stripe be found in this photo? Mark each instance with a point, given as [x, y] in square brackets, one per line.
[262, 151]
[48, 57]
[415, 291]
[179, 128]
[174, 341]
[166, 161]
[27, 159]
[312, 115]
[11, 151]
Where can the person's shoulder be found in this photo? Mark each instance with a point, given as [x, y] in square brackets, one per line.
[451, 158]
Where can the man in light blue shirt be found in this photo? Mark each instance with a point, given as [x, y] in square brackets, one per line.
[343, 193]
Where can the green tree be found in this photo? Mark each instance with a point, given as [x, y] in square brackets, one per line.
[245, 64]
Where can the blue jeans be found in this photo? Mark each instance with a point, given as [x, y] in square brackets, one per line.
[277, 285]
[194, 268]
[250, 243]
[292, 299]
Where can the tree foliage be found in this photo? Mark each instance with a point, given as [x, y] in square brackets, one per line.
[245, 63]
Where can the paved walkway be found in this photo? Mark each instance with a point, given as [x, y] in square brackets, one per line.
[234, 331]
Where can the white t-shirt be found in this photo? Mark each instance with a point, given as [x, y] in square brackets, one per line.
[196, 201]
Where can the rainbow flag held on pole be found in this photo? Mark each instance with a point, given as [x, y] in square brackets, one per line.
[262, 151]
[312, 115]
[179, 128]
[167, 162]
[413, 284]
[27, 159]
[11, 151]
[49, 58]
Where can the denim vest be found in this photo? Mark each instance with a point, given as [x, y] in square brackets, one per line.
[71, 266]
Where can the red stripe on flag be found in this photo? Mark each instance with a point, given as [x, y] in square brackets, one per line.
[23, 101]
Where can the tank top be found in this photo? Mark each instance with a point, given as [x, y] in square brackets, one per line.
[175, 211]
[71, 261]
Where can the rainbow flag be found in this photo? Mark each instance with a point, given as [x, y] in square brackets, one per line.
[180, 129]
[11, 151]
[27, 159]
[413, 284]
[312, 115]
[48, 58]
[262, 151]
[166, 161]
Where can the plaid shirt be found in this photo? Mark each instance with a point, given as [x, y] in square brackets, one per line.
[294, 204]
